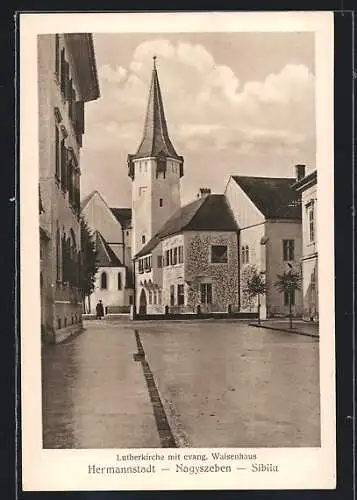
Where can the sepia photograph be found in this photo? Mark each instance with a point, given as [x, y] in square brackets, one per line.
[179, 233]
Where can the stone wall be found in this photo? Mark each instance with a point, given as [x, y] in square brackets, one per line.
[199, 268]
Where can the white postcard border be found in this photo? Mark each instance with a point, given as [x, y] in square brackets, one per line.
[60, 470]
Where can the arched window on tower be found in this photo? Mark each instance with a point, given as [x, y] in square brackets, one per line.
[103, 281]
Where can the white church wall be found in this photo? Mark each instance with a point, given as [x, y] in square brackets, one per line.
[111, 297]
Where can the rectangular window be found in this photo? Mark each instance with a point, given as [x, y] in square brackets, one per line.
[57, 55]
[167, 258]
[311, 217]
[141, 266]
[180, 295]
[180, 254]
[288, 250]
[143, 239]
[161, 202]
[159, 261]
[147, 264]
[287, 295]
[206, 293]
[57, 153]
[172, 295]
[219, 254]
[63, 72]
[170, 257]
[63, 166]
[175, 256]
[119, 281]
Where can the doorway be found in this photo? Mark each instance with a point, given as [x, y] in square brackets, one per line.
[142, 302]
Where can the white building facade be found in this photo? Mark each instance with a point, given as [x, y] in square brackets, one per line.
[306, 186]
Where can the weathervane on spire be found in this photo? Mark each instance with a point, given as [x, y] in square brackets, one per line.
[154, 58]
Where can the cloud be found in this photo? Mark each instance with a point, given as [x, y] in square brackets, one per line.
[205, 103]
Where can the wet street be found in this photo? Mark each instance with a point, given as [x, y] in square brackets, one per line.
[123, 384]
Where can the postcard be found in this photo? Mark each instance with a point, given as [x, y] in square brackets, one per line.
[177, 251]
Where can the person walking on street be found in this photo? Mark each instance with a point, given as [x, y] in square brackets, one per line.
[100, 310]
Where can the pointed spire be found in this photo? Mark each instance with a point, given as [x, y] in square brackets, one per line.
[155, 141]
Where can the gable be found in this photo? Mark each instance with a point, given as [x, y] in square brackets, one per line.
[245, 212]
[100, 218]
[273, 196]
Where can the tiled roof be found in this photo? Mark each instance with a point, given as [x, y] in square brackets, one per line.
[155, 139]
[105, 255]
[123, 215]
[209, 213]
[273, 196]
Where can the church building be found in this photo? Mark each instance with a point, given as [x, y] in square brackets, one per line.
[111, 229]
[184, 257]
[196, 257]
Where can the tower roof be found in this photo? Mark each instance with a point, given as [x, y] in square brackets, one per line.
[155, 141]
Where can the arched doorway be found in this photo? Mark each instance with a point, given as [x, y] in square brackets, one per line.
[142, 302]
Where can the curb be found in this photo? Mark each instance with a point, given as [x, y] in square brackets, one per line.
[285, 330]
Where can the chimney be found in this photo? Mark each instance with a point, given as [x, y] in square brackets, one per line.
[203, 192]
[299, 172]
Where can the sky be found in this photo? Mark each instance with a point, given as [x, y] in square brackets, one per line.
[235, 104]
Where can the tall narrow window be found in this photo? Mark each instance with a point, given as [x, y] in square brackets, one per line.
[57, 56]
[143, 239]
[245, 254]
[288, 250]
[167, 258]
[58, 256]
[63, 72]
[311, 217]
[161, 202]
[206, 293]
[103, 281]
[57, 153]
[180, 254]
[175, 256]
[141, 266]
[119, 281]
[172, 295]
[63, 166]
[180, 295]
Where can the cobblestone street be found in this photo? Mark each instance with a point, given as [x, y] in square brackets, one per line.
[209, 383]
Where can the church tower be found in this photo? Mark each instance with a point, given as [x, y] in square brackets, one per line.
[155, 170]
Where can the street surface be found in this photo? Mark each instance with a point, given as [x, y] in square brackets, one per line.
[208, 383]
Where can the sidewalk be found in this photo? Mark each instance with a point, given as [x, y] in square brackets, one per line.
[300, 327]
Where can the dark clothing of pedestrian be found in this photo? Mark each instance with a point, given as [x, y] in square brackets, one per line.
[100, 310]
